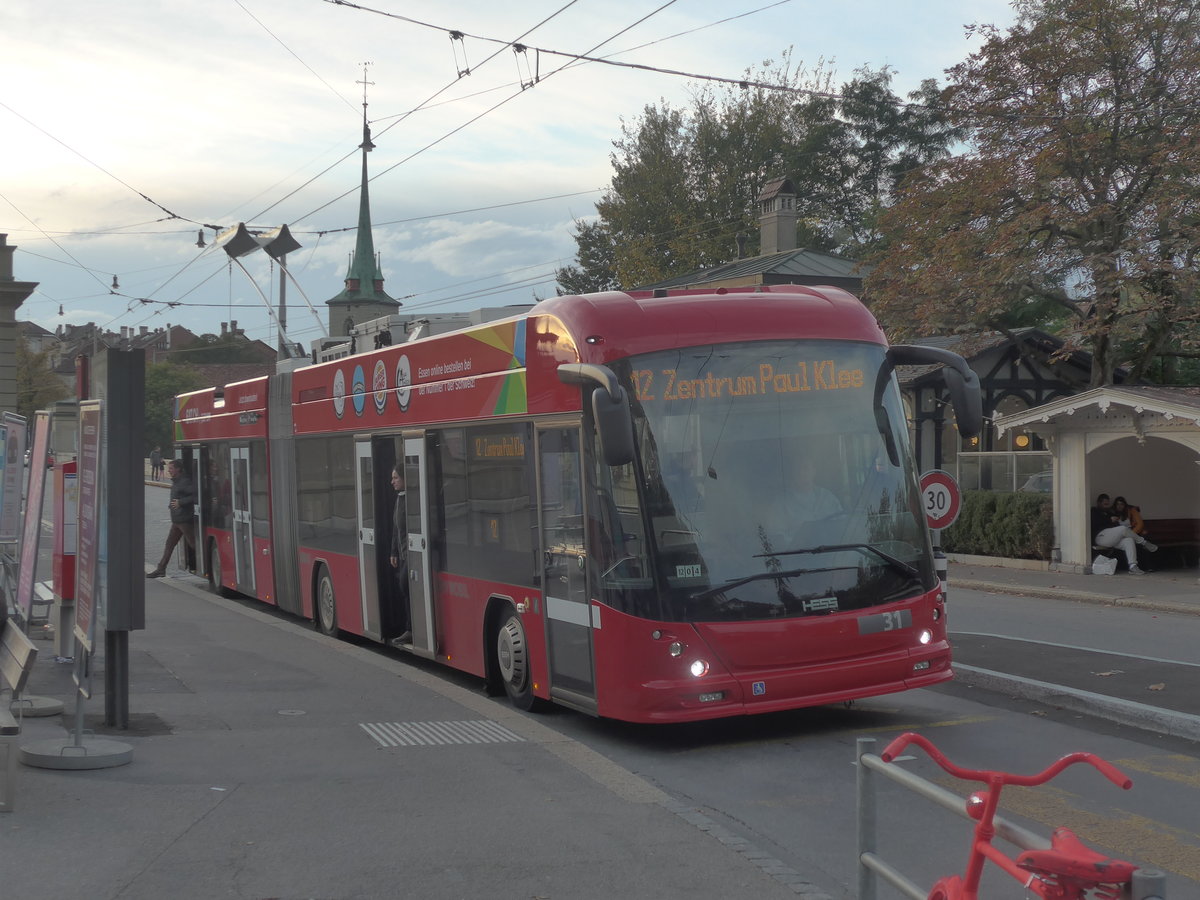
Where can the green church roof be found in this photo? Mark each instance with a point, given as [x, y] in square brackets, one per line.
[364, 278]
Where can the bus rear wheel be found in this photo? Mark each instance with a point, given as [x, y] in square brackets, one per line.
[215, 575]
[326, 605]
[512, 659]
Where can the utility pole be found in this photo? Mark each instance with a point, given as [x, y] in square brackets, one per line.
[285, 350]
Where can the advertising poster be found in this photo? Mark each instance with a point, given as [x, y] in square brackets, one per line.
[31, 533]
[3, 478]
[12, 460]
[88, 587]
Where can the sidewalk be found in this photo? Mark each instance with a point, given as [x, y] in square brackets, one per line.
[1065, 677]
[269, 761]
[1175, 590]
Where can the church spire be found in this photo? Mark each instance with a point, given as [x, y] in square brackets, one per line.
[363, 297]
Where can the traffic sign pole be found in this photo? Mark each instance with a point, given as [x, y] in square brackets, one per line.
[942, 501]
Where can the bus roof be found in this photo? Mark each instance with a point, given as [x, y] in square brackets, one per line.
[507, 366]
[618, 324]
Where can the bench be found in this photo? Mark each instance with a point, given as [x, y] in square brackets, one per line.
[1176, 534]
[17, 656]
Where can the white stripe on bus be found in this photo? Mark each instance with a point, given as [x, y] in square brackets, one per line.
[566, 611]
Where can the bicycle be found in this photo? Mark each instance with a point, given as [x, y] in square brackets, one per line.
[1068, 870]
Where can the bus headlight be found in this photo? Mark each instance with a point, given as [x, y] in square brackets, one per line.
[676, 648]
[925, 636]
[699, 668]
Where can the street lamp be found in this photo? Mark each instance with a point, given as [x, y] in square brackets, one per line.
[238, 241]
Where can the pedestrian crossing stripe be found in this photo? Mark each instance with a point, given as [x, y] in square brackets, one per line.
[415, 734]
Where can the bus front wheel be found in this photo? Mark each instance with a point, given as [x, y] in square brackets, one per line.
[512, 658]
[326, 611]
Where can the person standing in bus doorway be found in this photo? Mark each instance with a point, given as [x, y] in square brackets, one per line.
[399, 559]
[183, 509]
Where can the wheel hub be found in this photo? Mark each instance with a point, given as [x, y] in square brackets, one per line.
[511, 654]
[326, 602]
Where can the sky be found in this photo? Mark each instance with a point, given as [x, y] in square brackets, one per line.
[128, 126]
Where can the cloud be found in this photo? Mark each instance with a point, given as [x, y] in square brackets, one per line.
[485, 247]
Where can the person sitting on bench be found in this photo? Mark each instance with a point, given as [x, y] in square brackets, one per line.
[1111, 532]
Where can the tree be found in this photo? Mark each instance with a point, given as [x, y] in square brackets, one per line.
[1080, 188]
[228, 348]
[883, 141]
[37, 385]
[686, 182]
[594, 271]
[163, 381]
[648, 201]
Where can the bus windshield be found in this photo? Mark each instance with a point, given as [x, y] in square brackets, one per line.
[775, 481]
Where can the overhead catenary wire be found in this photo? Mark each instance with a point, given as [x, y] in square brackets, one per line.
[215, 228]
[433, 96]
[97, 165]
[296, 56]
[171, 214]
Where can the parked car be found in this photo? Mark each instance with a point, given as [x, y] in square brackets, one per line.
[1041, 483]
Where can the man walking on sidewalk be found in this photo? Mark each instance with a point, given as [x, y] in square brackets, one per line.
[182, 506]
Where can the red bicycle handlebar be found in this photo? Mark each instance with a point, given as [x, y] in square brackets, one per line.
[1107, 769]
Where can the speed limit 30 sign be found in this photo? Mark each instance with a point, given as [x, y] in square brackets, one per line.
[940, 498]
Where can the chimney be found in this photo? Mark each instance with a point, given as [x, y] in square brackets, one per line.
[224, 328]
[777, 216]
[145, 330]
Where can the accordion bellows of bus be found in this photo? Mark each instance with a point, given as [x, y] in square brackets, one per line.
[651, 507]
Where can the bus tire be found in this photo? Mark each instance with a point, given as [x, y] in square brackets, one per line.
[215, 575]
[512, 659]
[325, 604]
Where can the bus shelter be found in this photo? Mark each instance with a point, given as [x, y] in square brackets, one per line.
[1140, 442]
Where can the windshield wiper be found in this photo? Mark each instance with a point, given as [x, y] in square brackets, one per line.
[898, 564]
[738, 582]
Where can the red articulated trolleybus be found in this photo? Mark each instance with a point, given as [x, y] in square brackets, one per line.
[654, 507]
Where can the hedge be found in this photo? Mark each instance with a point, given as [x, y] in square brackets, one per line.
[1000, 523]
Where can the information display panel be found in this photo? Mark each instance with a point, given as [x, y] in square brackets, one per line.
[89, 584]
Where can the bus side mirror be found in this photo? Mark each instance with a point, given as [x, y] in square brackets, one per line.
[966, 399]
[610, 409]
[961, 381]
[614, 424]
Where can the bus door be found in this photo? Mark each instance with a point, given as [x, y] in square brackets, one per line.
[420, 588]
[202, 482]
[192, 458]
[569, 614]
[243, 534]
[368, 579]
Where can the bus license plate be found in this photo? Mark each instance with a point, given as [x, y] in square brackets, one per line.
[888, 621]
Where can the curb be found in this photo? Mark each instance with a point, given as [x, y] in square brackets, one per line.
[1081, 596]
[1123, 712]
